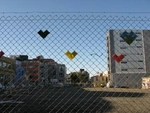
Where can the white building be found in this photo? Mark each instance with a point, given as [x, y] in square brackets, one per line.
[134, 46]
[106, 73]
[53, 71]
[145, 82]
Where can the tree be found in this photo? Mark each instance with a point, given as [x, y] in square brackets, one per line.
[83, 76]
[74, 77]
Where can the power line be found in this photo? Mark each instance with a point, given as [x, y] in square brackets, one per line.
[97, 54]
[75, 12]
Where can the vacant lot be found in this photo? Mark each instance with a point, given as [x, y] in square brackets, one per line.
[125, 100]
[77, 100]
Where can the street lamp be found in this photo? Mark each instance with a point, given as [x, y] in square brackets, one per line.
[96, 54]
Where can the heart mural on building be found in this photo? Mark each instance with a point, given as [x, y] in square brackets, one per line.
[128, 37]
[118, 58]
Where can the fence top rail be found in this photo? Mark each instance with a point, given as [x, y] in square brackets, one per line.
[70, 16]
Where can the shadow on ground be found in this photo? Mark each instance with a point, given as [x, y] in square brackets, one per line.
[61, 100]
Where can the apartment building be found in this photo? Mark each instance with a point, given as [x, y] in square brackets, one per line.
[53, 71]
[128, 57]
[99, 81]
[7, 66]
[31, 68]
[43, 70]
[7, 70]
[68, 79]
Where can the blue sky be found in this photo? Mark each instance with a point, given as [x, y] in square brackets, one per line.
[84, 36]
[75, 6]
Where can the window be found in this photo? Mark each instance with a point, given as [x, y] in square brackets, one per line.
[34, 71]
[41, 73]
[108, 65]
[61, 69]
[30, 66]
[123, 62]
[123, 47]
[107, 37]
[96, 78]
[61, 74]
[139, 46]
[122, 41]
[141, 68]
[137, 32]
[106, 79]
[9, 66]
[41, 66]
[124, 69]
[139, 53]
[1, 63]
[107, 44]
[138, 39]
[33, 77]
[140, 60]
[107, 58]
[4, 64]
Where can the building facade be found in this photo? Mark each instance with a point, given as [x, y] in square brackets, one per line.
[68, 79]
[7, 66]
[146, 82]
[52, 71]
[99, 81]
[7, 70]
[131, 61]
[32, 69]
[43, 70]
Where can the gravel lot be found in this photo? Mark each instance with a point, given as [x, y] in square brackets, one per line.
[126, 100]
[76, 100]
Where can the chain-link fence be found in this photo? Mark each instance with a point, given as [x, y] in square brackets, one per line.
[74, 63]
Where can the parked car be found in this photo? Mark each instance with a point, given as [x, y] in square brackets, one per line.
[58, 85]
[66, 85]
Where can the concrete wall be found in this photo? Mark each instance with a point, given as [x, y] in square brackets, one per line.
[146, 42]
[130, 80]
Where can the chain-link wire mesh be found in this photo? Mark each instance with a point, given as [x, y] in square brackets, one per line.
[74, 63]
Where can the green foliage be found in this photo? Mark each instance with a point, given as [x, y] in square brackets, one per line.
[77, 77]
[83, 76]
[74, 77]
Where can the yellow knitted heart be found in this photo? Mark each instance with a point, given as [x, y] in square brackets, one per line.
[71, 55]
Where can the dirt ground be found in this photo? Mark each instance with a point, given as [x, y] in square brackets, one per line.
[127, 100]
[76, 100]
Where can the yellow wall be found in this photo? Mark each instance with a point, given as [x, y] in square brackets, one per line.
[99, 81]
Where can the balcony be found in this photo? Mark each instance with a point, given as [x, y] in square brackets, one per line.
[107, 51]
[107, 58]
[107, 44]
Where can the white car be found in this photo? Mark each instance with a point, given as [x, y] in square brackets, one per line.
[58, 85]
